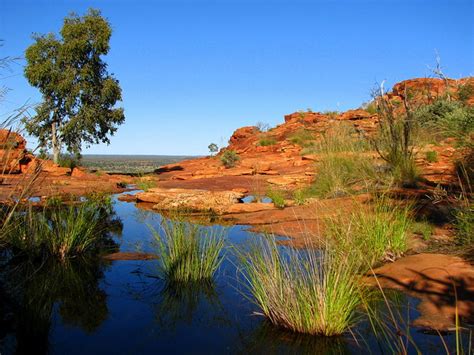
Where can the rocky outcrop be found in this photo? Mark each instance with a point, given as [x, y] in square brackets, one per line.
[14, 158]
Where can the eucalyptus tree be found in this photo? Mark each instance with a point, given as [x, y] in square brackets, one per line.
[79, 96]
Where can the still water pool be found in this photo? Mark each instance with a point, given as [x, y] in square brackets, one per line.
[121, 307]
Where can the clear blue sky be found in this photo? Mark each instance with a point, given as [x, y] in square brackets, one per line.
[194, 71]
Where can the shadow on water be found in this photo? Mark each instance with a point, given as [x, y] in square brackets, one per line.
[31, 292]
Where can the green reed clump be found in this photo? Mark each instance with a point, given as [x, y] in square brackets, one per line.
[339, 175]
[372, 233]
[305, 291]
[188, 252]
[62, 231]
[277, 196]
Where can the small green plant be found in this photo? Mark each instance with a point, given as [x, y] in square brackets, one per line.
[145, 183]
[188, 252]
[331, 114]
[300, 196]
[422, 228]
[266, 141]
[230, 158]
[464, 224]
[431, 156]
[277, 197]
[303, 137]
[310, 292]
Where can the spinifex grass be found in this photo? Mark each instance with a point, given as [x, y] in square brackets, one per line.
[305, 291]
[188, 252]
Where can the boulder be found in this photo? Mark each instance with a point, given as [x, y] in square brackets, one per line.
[192, 200]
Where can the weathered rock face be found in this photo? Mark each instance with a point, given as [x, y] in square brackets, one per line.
[191, 200]
[425, 90]
[13, 155]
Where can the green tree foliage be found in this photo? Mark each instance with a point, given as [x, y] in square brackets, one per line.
[213, 148]
[79, 95]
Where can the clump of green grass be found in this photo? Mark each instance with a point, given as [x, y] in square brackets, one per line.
[267, 141]
[145, 183]
[339, 175]
[431, 156]
[277, 197]
[422, 228]
[305, 291]
[188, 253]
[300, 196]
[230, 158]
[59, 231]
[464, 224]
[372, 233]
[303, 137]
[341, 138]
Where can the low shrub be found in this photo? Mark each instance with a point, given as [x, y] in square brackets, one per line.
[263, 142]
[277, 197]
[302, 137]
[145, 183]
[305, 291]
[188, 252]
[230, 158]
[69, 161]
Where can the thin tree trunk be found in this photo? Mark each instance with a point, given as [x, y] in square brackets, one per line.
[55, 143]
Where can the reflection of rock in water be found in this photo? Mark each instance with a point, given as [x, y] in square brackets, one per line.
[185, 303]
[35, 290]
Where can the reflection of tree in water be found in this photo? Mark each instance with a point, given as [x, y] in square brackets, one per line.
[267, 338]
[35, 290]
[187, 303]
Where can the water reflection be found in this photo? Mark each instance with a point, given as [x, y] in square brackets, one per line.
[33, 291]
[190, 303]
[266, 338]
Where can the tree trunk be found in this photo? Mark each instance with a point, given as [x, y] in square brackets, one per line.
[55, 143]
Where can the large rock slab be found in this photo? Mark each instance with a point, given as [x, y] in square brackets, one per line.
[191, 199]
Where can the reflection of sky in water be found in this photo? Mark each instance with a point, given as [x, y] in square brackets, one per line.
[144, 316]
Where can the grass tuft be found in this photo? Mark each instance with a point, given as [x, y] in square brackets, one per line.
[311, 292]
[187, 252]
[372, 233]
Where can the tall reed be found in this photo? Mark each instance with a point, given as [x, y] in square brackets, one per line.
[305, 291]
[188, 252]
[60, 231]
